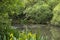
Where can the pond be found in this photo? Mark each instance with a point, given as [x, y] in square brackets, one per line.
[49, 31]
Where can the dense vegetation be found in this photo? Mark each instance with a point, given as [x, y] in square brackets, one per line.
[27, 12]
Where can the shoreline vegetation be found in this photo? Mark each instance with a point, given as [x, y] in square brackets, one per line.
[29, 19]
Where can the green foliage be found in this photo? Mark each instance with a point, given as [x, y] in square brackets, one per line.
[7, 33]
[56, 17]
[29, 2]
[8, 7]
[39, 13]
[26, 11]
[52, 3]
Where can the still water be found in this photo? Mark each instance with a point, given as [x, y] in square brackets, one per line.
[49, 31]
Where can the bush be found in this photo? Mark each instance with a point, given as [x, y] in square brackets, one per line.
[38, 13]
[56, 15]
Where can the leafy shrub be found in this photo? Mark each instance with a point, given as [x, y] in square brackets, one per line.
[38, 13]
[56, 15]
